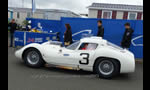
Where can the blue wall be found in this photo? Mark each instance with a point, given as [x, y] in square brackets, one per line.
[113, 29]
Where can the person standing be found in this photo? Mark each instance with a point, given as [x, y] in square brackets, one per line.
[68, 35]
[13, 27]
[100, 32]
[126, 40]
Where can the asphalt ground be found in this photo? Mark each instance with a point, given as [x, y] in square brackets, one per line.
[21, 77]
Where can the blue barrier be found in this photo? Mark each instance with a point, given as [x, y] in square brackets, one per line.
[19, 38]
[24, 38]
[113, 30]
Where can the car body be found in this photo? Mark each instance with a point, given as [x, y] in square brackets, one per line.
[97, 50]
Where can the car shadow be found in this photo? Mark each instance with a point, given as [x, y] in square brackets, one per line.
[68, 71]
[85, 73]
[80, 73]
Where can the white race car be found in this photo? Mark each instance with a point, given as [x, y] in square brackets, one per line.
[90, 53]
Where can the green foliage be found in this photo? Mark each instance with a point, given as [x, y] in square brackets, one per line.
[25, 22]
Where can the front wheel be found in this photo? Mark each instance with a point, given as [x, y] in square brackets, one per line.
[107, 68]
[32, 57]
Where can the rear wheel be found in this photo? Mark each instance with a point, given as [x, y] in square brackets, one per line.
[32, 57]
[107, 68]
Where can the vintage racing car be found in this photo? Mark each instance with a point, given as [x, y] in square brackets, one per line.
[90, 53]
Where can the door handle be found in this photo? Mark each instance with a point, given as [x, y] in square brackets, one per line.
[66, 54]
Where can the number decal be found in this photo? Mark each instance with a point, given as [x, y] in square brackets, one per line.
[86, 58]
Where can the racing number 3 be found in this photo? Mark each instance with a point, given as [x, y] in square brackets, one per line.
[86, 58]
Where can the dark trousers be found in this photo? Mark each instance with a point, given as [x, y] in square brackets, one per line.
[125, 44]
[11, 39]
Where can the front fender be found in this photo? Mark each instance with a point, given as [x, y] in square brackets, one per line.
[19, 53]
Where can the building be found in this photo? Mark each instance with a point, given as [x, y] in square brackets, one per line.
[115, 11]
[20, 14]
[10, 14]
[84, 15]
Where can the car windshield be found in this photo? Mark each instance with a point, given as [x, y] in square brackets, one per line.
[73, 46]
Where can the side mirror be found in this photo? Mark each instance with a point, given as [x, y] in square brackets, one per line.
[61, 45]
[60, 50]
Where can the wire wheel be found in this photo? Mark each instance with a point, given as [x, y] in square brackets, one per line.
[33, 57]
[106, 67]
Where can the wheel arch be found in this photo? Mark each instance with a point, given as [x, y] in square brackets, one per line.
[103, 57]
[31, 48]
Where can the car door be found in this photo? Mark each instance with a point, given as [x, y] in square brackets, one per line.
[86, 53]
[69, 57]
[78, 56]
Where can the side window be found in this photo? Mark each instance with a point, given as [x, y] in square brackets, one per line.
[88, 46]
[18, 15]
[107, 14]
[46, 15]
[132, 16]
[28, 14]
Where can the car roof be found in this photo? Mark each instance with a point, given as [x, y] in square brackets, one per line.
[93, 39]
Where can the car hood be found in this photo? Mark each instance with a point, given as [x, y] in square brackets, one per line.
[52, 43]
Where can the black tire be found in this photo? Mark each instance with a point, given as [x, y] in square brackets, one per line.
[39, 63]
[113, 64]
